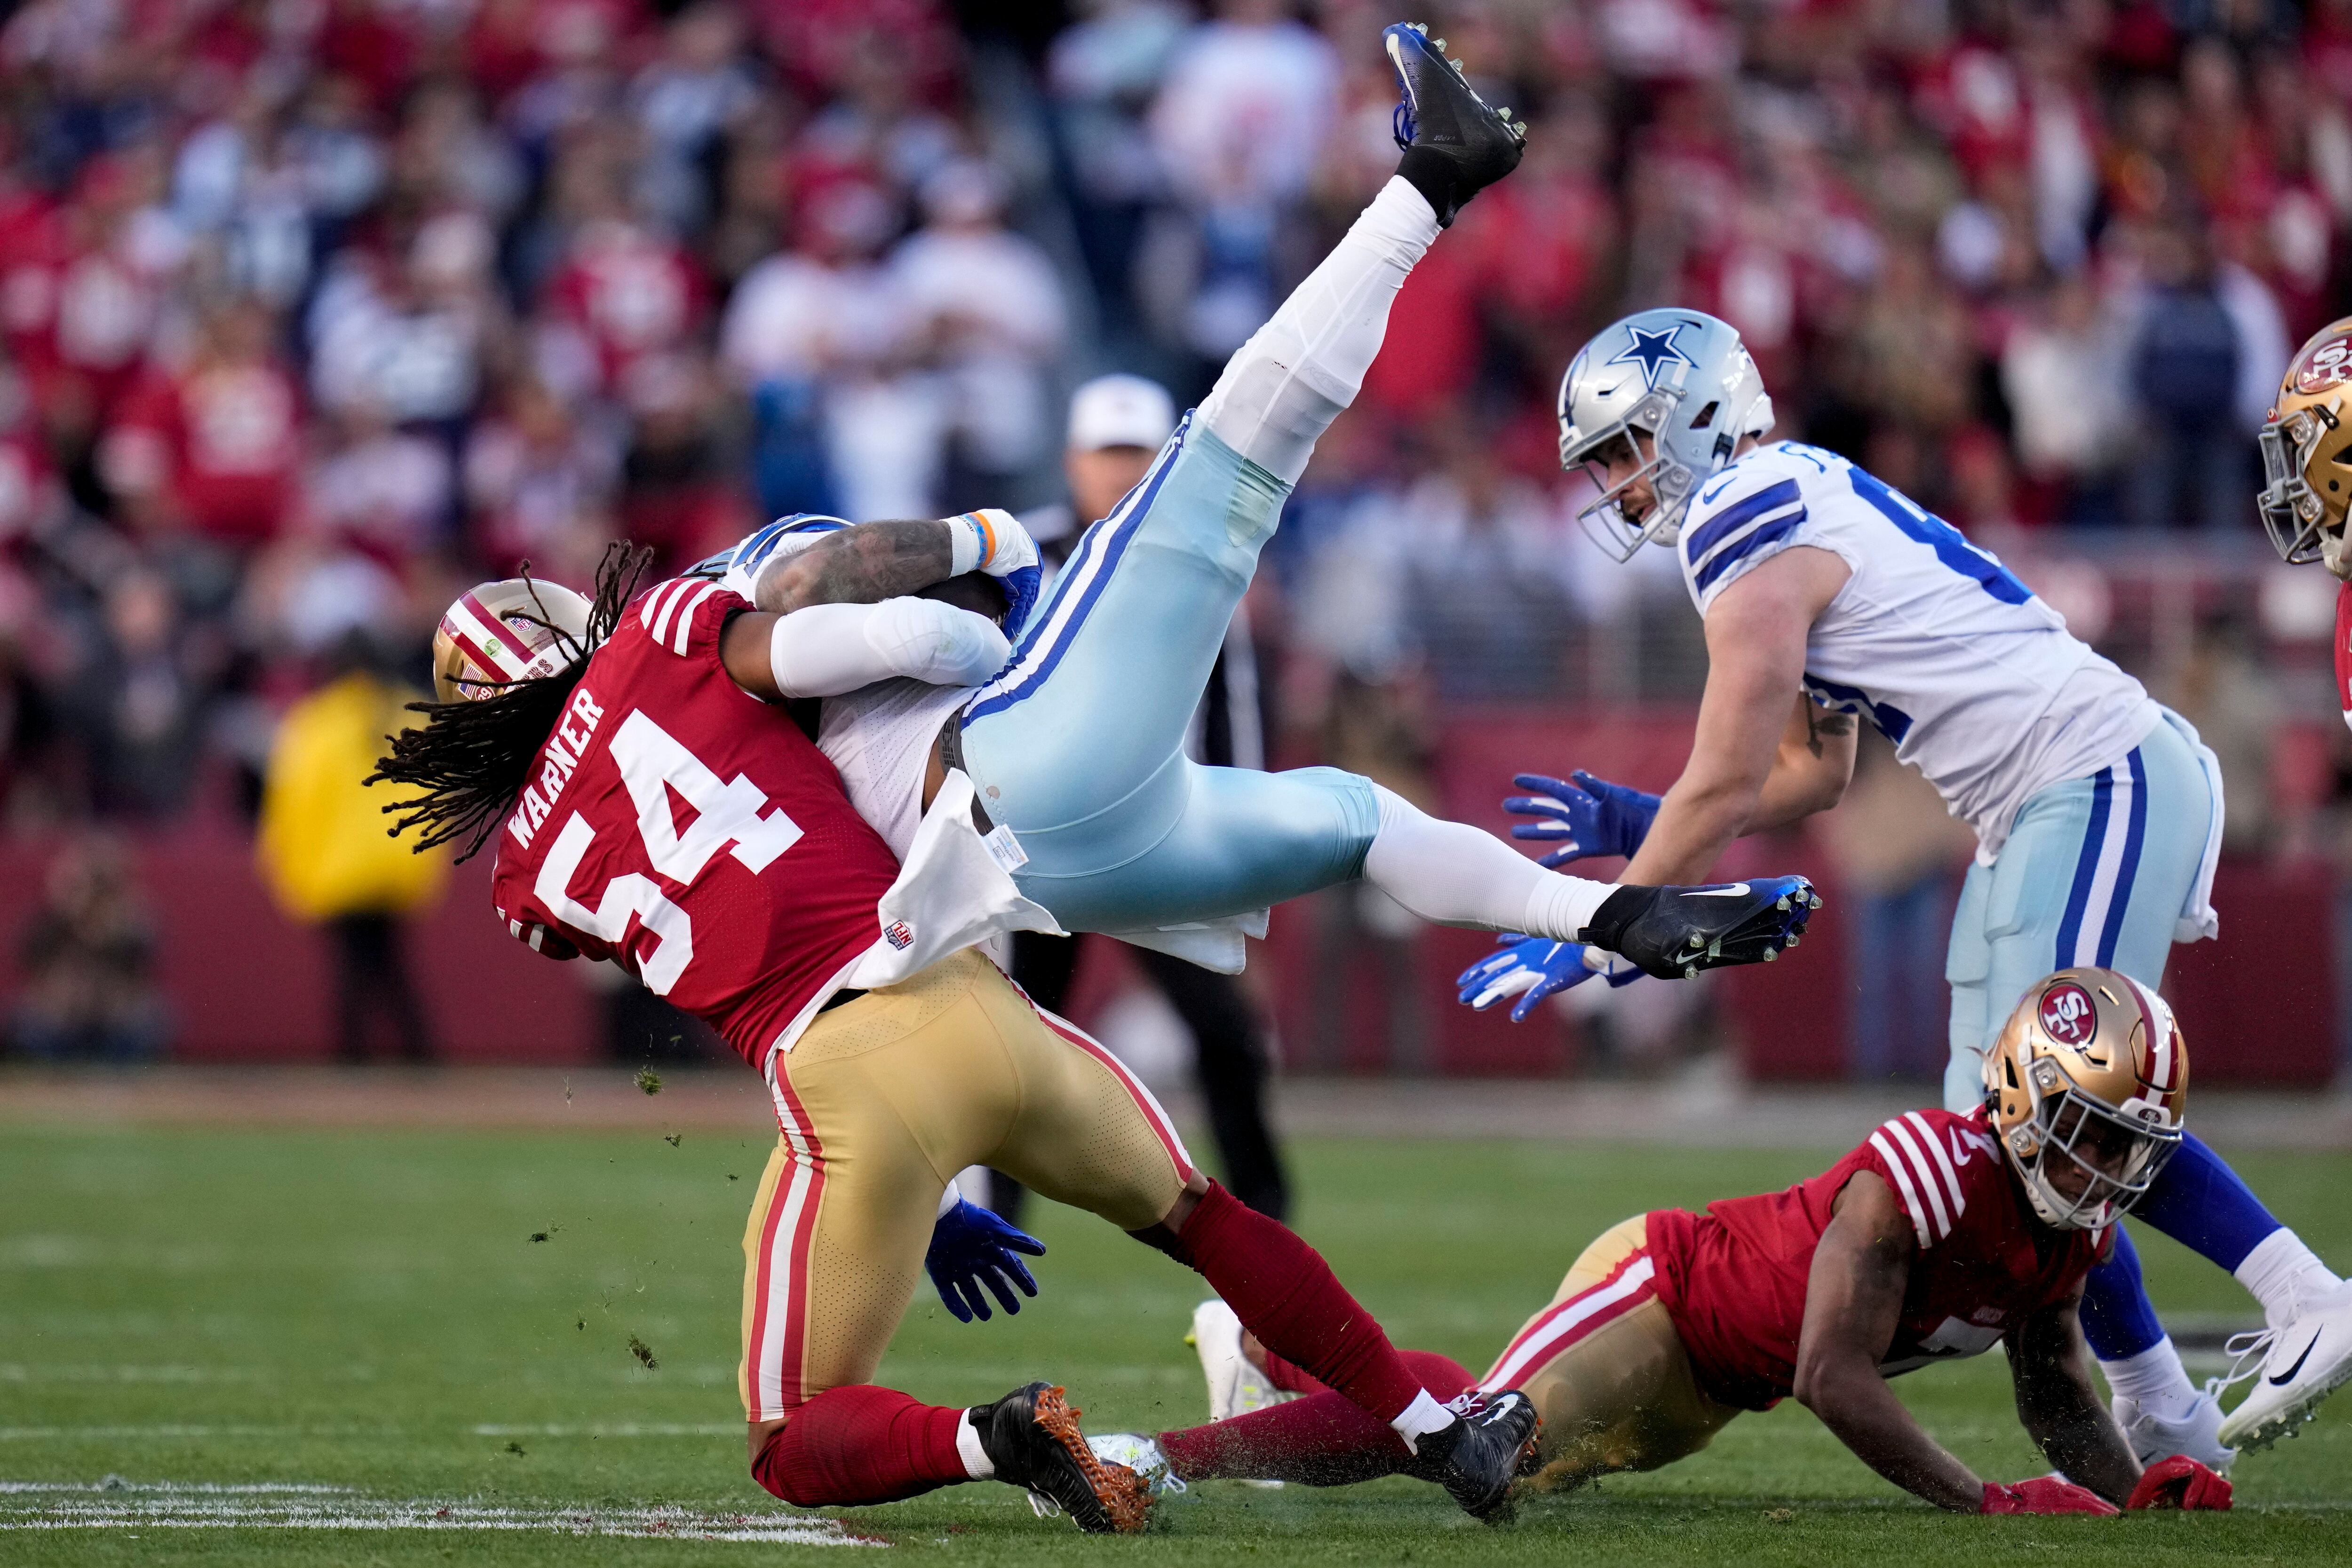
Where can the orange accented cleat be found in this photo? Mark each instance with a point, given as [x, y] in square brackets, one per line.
[1032, 1436]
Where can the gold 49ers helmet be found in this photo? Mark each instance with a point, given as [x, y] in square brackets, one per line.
[518, 629]
[2085, 1090]
[2307, 441]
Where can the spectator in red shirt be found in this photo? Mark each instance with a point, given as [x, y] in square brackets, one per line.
[216, 444]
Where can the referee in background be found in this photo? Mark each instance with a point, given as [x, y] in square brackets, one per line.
[1117, 424]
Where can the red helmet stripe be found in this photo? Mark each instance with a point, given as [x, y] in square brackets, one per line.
[498, 625]
[484, 639]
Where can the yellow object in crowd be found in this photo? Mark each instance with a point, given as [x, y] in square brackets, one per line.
[323, 849]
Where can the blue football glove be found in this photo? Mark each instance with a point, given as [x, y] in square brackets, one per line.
[992, 540]
[1531, 968]
[970, 1246]
[1590, 817]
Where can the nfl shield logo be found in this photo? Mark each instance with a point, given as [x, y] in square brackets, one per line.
[899, 935]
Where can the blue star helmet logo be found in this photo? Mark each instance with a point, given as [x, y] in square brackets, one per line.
[1654, 352]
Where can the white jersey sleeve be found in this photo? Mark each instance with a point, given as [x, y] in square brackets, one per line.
[1976, 681]
[1750, 513]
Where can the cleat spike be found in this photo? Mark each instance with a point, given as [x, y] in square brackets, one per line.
[1783, 906]
[1770, 954]
[1437, 44]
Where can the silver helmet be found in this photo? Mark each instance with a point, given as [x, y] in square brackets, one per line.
[1683, 378]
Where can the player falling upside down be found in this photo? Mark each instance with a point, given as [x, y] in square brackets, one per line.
[1826, 594]
[1940, 1236]
[659, 809]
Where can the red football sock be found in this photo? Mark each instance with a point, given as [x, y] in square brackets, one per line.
[1442, 1374]
[861, 1443]
[1286, 1294]
[1319, 1440]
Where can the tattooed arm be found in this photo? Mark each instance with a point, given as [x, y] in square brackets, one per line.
[861, 565]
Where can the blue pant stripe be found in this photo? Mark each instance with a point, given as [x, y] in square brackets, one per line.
[2135, 832]
[1098, 555]
[2086, 870]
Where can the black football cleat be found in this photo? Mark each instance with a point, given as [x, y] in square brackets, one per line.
[1032, 1436]
[1454, 146]
[1675, 932]
[1476, 1458]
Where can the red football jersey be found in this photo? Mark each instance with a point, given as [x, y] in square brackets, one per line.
[690, 831]
[1734, 1278]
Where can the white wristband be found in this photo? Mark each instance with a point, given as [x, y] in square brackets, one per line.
[968, 543]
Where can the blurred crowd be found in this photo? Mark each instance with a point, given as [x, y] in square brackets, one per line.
[313, 311]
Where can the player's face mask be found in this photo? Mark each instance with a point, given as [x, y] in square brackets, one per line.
[1642, 492]
[2089, 1163]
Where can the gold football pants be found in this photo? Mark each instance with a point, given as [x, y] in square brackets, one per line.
[1607, 1371]
[880, 1103]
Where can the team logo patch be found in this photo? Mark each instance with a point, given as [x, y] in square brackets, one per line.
[899, 935]
[2068, 1014]
[2329, 365]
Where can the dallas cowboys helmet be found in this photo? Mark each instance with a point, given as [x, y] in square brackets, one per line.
[1683, 379]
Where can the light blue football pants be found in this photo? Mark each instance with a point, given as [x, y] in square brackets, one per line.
[1078, 744]
[2096, 871]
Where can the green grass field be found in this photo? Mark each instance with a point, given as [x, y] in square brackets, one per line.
[371, 1314]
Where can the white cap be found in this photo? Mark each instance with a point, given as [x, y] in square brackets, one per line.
[1121, 411]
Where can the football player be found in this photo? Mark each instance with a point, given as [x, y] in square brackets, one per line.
[1827, 595]
[1940, 1236]
[1076, 745]
[649, 811]
[655, 804]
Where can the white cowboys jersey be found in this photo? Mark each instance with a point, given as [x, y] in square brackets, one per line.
[1975, 680]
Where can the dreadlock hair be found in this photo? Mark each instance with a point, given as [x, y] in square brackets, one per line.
[471, 758]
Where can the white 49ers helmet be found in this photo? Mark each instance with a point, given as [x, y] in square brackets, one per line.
[2307, 441]
[2085, 1090]
[518, 629]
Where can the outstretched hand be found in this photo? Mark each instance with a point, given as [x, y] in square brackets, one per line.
[1531, 968]
[971, 1247]
[1588, 817]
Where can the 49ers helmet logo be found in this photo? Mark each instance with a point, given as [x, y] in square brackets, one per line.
[2329, 365]
[2068, 1014]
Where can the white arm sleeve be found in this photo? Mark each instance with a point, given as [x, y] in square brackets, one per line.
[828, 649]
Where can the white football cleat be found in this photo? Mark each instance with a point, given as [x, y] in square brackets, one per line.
[1235, 1386]
[2295, 1365]
[2196, 1435]
[1141, 1454]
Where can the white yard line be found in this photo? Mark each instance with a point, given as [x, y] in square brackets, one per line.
[121, 1505]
